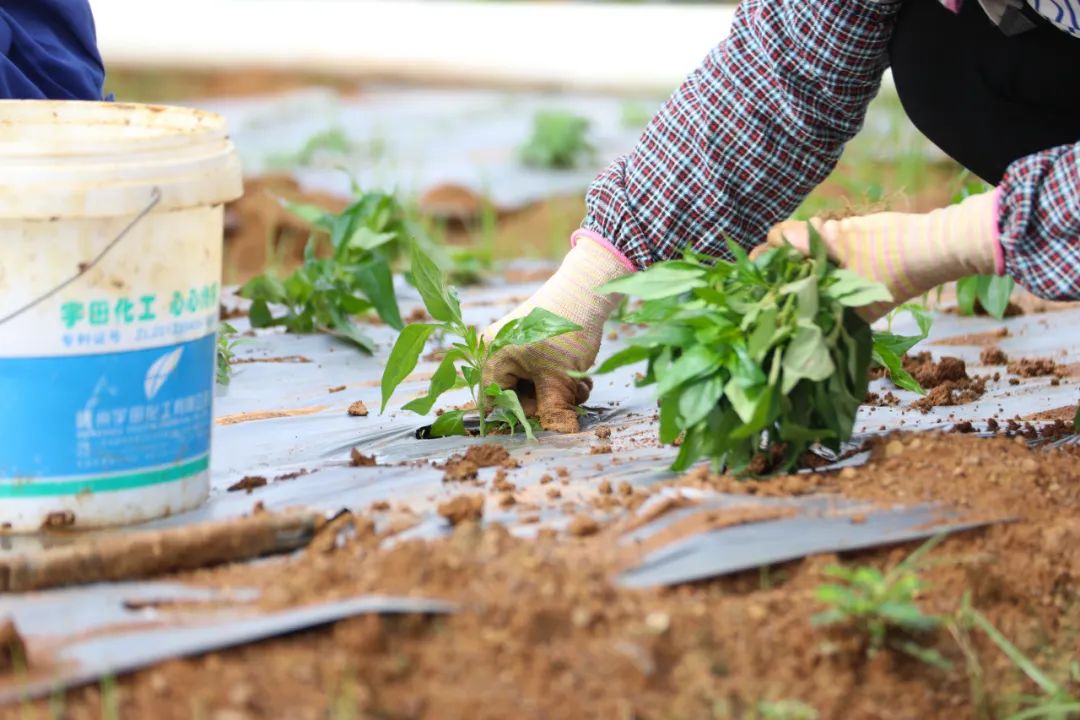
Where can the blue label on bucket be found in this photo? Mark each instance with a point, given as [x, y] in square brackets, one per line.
[97, 415]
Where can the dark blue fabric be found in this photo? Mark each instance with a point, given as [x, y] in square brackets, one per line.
[48, 50]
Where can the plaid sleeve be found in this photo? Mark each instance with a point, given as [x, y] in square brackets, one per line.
[750, 133]
[1039, 222]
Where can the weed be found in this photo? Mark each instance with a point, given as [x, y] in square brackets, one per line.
[754, 361]
[226, 344]
[1055, 703]
[464, 363]
[559, 141]
[878, 605]
[325, 293]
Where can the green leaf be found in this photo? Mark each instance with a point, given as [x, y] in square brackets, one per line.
[1076, 420]
[853, 290]
[747, 401]
[364, 238]
[345, 328]
[449, 424]
[700, 399]
[626, 356]
[900, 377]
[377, 283]
[441, 304]
[994, 293]
[266, 288]
[540, 324]
[260, 315]
[807, 358]
[444, 379]
[967, 292]
[662, 280]
[508, 401]
[311, 214]
[695, 362]
[403, 358]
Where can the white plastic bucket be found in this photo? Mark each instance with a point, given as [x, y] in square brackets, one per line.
[111, 223]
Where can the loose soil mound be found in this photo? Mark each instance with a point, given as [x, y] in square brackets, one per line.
[543, 632]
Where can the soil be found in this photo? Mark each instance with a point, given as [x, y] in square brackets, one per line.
[463, 508]
[946, 381]
[544, 632]
[248, 483]
[490, 455]
[460, 470]
[359, 459]
[13, 655]
[931, 374]
[951, 393]
[993, 356]
[358, 409]
[1033, 367]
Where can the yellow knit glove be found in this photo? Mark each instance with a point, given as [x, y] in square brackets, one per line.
[539, 372]
[910, 254]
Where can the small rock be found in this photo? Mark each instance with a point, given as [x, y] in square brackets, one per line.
[893, 448]
[358, 409]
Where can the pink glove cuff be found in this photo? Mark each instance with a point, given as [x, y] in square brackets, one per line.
[999, 250]
[589, 234]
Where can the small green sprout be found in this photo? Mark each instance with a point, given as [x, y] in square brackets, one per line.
[226, 345]
[881, 606]
[559, 141]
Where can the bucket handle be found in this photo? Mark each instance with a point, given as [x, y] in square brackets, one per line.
[155, 198]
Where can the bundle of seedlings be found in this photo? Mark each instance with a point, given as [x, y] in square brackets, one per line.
[756, 361]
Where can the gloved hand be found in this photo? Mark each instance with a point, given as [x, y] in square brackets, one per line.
[539, 372]
[910, 254]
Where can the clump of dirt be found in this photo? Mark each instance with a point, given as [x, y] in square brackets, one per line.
[460, 470]
[887, 399]
[359, 459]
[583, 526]
[341, 531]
[993, 356]
[1033, 367]
[490, 455]
[293, 475]
[601, 449]
[951, 393]
[248, 483]
[603, 432]
[12, 648]
[358, 409]
[930, 374]
[336, 389]
[463, 508]
[417, 315]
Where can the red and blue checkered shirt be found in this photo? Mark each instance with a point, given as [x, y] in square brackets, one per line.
[764, 120]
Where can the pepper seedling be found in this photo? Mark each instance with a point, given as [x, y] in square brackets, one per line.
[559, 140]
[226, 346]
[464, 363]
[754, 361]
[325, 293]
